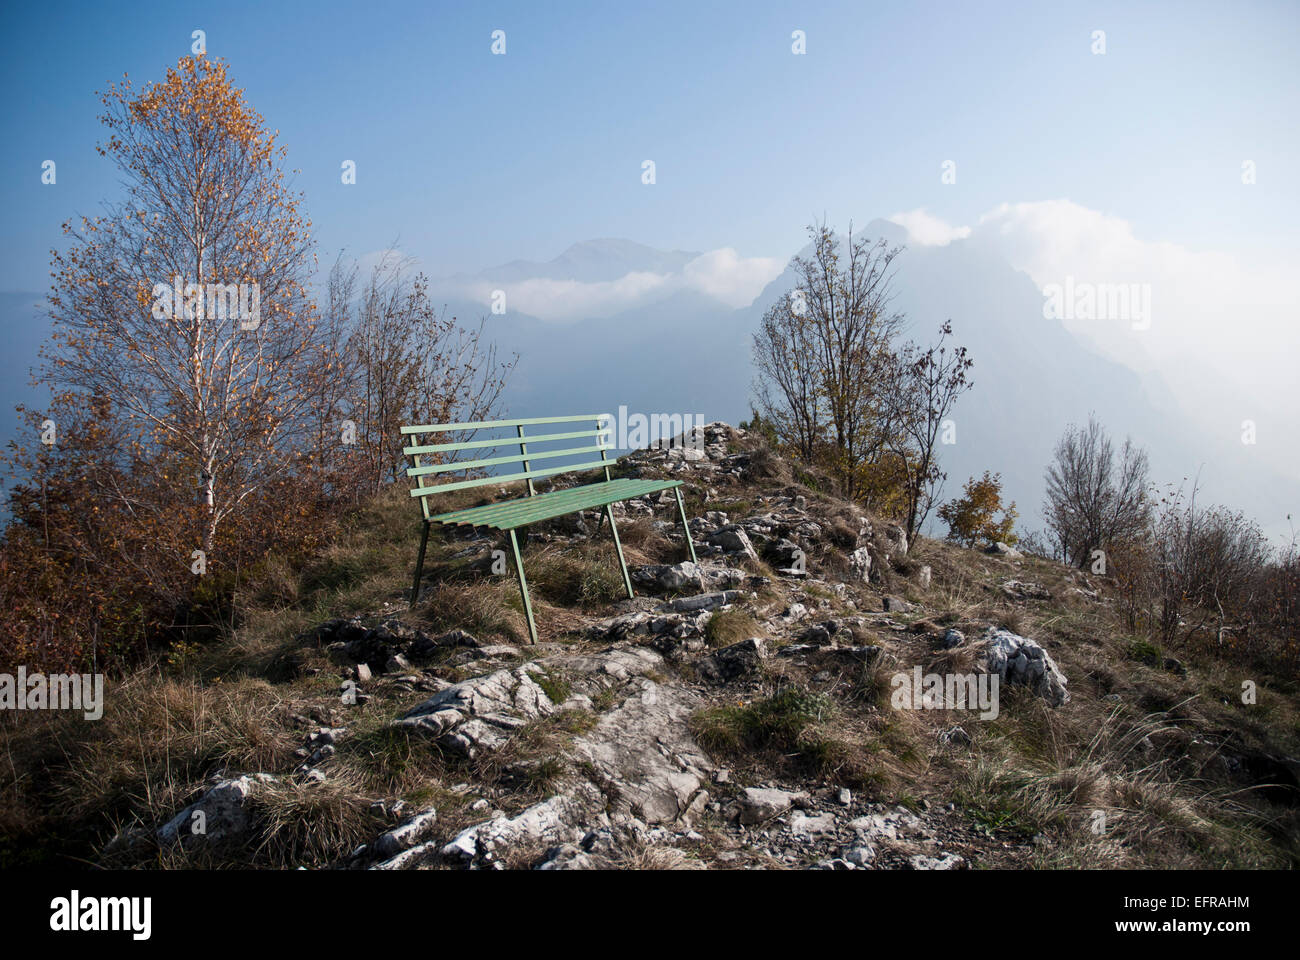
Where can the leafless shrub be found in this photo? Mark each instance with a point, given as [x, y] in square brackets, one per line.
[1093, 497]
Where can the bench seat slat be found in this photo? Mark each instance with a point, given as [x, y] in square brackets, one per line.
[502, 507]
[512, 514]
[509, 508]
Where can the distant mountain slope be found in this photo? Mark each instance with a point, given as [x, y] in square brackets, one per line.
[1033, 376]
[683, 353]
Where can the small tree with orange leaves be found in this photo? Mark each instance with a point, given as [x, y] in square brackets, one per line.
[973, 518]
[189, 380]
[184, 307]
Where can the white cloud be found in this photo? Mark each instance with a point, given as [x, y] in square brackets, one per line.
[727, 276]
[928, 230]
[1224, 331]
[560, 300]
[722, 274]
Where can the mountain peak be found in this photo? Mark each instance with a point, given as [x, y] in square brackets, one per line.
[600, 260]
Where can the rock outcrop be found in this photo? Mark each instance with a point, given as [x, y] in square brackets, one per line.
[220, 814]
[478, 715]
[1019, 660]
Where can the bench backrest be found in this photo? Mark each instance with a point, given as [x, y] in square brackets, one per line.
[599, 439]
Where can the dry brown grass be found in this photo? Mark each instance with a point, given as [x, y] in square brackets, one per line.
[1103, 802]
[74, 783]
[313, 824]
[658, 857]
[487, 609]
[729, 626]
[642, 543]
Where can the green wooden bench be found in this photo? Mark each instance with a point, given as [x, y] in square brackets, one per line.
[510, 515]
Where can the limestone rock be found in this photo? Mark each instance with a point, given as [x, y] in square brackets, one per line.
[407, 835]
[1021, 590]
[1019, 660]
[220, 814]
[818, 635]
[733, 539]
[861, 856]
[802, 825]
[784, 553]
[860, 563]
[551, 821]
[896, 605]
[1001, 549]
[478, 715]
[886, 826]
[949, 861]
[896, 537]
[669, 578]
[505, 691]
[703, 601]
[643, 754]
[758, 804]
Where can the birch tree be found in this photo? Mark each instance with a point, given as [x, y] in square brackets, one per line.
[183, 307]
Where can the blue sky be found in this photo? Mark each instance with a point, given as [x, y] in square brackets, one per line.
[1119, 168]
[472, 159]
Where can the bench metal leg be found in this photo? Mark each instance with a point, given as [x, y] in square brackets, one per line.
[627, 581]
[523, 588]
[686, 529]
[419, 565]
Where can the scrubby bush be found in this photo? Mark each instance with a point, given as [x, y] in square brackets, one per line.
[1210, 560]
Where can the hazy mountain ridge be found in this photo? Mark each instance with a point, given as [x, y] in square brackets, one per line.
[686, 349]
[590, 261]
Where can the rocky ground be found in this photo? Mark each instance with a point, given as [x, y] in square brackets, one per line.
[641, 779]
[737, 713]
